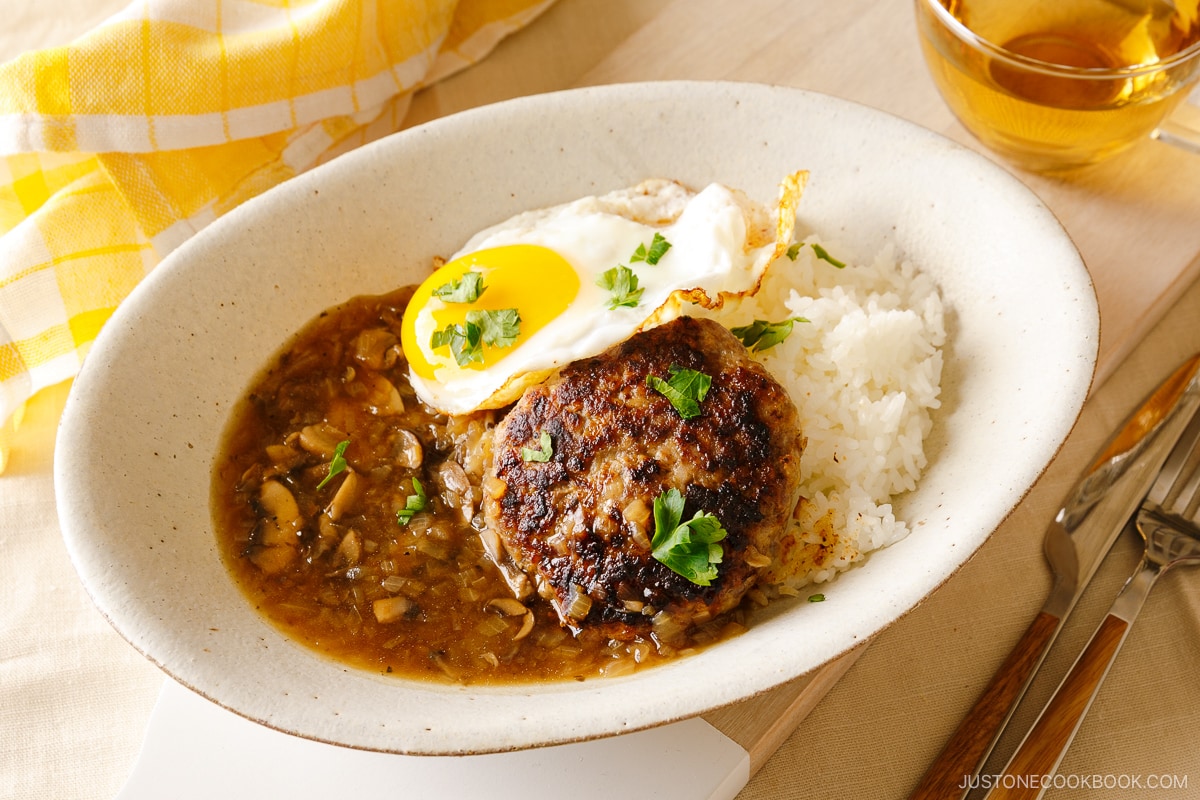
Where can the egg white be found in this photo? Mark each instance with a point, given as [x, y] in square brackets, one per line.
[719, 248]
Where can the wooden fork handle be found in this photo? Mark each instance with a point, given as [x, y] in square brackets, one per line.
[1039, 755]
[948, 776]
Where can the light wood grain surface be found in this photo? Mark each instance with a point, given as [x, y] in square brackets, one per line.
[869, 723]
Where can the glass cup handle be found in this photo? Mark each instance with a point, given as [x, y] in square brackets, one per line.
[1182, 126]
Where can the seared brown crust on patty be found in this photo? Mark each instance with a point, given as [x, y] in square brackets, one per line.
[577, 522]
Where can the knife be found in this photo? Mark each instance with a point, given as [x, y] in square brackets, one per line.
[1076, 541]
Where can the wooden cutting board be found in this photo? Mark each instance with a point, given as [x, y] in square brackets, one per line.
[1137, 232]
[762, 723]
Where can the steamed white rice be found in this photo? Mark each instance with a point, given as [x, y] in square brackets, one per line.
[864, 371]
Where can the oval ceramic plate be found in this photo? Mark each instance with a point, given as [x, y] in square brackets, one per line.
[144, 419]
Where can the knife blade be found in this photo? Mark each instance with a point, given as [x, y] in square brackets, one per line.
[1076, 541]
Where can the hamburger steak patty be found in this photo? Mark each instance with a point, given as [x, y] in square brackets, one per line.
[580, 523]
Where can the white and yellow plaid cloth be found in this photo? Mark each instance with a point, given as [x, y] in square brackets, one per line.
[116, 148]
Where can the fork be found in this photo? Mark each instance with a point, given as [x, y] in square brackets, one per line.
[1169, 523]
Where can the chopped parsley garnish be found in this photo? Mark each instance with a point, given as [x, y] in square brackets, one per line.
[467, 289]
[498, 328]
[818, 251]
[494, 328]
[541, 456]
[413, 505]
[623, 284]
[688, 548]
[762, 335]
[686, 389]
[463, 340]
[658, 248]
[337, 464]
[823, 254]
[816, 598]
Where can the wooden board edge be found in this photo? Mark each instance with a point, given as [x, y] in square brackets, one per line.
[761, 724]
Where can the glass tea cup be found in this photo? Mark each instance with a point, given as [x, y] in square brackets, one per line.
[1061, 84]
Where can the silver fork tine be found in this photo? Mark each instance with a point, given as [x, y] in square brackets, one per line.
[1167, 486]
[1189, 495]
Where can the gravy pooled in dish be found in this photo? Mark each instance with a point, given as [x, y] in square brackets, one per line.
[375, 552]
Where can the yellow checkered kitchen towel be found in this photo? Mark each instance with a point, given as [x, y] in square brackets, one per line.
[116, 148]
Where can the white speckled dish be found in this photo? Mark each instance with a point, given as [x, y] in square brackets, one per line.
[144, 419]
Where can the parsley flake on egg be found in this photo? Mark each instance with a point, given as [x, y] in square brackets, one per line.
[623, 284]
[498, 328]
[581, 276]
[658, 248]
[466, 289]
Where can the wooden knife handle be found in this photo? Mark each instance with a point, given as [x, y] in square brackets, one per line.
[963, 755]
[1039, 755]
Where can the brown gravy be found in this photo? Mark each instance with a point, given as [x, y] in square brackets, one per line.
[333, 567]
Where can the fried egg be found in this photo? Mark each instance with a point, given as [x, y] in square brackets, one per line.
[555, 285]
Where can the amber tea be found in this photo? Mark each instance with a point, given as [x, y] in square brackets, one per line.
[1060, 84]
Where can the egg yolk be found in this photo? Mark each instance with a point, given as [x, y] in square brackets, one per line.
[536, 281]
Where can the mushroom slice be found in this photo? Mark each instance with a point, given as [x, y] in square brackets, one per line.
[349, 550]
[283, 513]
[375, 348]
[507, 606]
[273, 559]
[321, 439]
[346, 496]
[390, 609]
[457, 485]
[410, 453]
[381, 396]
[493, 548]
[526, 626]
